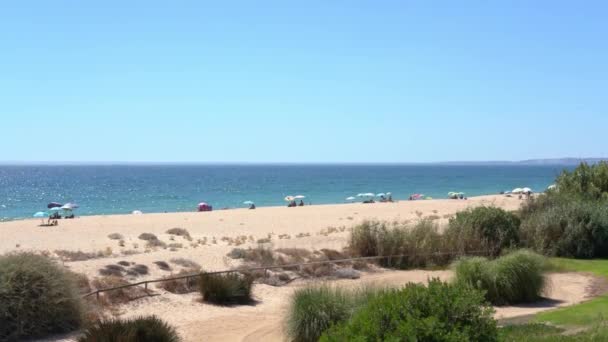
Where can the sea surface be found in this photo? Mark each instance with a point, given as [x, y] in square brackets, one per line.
[120, 189]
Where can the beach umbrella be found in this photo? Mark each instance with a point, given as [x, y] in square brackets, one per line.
[289, 198]
[517, 191]
[381, 194]
[136, 212]
[300, 197]
[248, 202]
[552, 187]
[55, 209]
[369, 194]
[41, 214]
[53, 205]
[526, 190]
[71, 205]
[388, 193]
[351, 198]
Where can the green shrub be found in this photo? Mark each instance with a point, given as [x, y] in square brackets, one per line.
[230, 288]
[487, 229]
[586, 181]
[141, 329]
[37, 297]
[421, 243]
[514, 278]
[439, 312]
[314, 309]
[567, 227]
[546, 333]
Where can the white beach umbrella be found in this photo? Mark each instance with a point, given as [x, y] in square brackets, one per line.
[55, 209]
[517, 191]
[552, 187]
[351, 198]
[382, 194]
[299, 197]
[289, 198]
[136, 212]
[526, 190]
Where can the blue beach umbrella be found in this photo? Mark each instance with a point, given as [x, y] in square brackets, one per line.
[382, 194]
[55, 209]
[41, 214]
[248, 202]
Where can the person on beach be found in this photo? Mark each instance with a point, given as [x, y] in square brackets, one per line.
[301, 203]
[252, 206]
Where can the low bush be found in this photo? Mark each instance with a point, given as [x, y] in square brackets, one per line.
[115, 236]
[586, 182]
[487, 229]
[163, 265]
[141, 329]
[514, 278]
[437, 312]
[180, 232]
[37, 297]
[312, 310]
[230, 288]
[566, 227]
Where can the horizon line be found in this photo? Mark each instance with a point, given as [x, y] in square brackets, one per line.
[236, 163]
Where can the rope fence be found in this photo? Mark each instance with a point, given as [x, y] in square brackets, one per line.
[145, 283]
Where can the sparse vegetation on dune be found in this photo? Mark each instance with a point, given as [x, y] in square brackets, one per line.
[119, 296]
[180, 232]
[37, 297]
[163, 265]
[115, 236]
[181, 286]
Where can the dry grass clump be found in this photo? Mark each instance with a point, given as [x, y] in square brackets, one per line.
[66, 255]
[181, 286]
[152, 240]
[260, 255]
[124, 263]
[138, 329]
[333, 254]
[231, 288]
[115, 236]
[433, 217]
[295, 254]
[118, 296]
[264, 240]
[187, 263]
[175, 245]
[163, 265]
[301, 235]
[180, 232]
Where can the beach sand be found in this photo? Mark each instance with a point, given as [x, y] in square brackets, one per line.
[310, 227]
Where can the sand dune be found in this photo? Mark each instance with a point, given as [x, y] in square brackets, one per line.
[303, 227]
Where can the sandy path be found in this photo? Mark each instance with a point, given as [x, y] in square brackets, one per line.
[264, 321]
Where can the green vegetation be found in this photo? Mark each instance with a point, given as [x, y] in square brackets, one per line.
[571, 221]
[546, 333]
[513, 278]
[586, 181]
[230, 288]
[437, 312]
[487, 229]
[141, 329]
[314, 309]
[37, 296]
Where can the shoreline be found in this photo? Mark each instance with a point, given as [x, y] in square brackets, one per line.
[4, 220]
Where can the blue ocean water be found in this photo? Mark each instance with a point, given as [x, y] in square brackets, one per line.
[159, 188]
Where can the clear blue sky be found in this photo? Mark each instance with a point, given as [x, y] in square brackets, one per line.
[303, 81]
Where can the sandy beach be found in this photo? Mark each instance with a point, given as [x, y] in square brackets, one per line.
[216, 233]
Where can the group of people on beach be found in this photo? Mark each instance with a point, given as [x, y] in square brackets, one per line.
[294, 204]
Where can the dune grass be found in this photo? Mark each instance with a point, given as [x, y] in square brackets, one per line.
[224, 289]
[314, 309]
